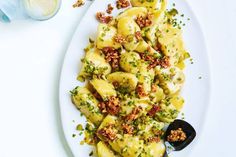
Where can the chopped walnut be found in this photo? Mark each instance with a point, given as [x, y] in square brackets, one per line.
[177, 135]
[158, 133]
[138, 35]
[154, 139]
[112, 106]
[153, 62]
[109, 9]
[154, 88]
[78, 3]
[102, 18]
[120, 39]
[134, 114]
[153, 110]
[122, 4]
[147, 57]
[140, 91]
[102, 107]
[127, 129]
[165, 62]
[144, 21]
[108, 132]
[157, 47]
[112, 56]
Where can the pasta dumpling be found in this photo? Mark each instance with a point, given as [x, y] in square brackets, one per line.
[158, 20]
[145, 77]
[171, 79]
[108, 120]
[128, 146]
[87, 104]
[127, 82]
[105, 37]
[127, 28]
[145, 3]
[104, 88]
[94, 63]
[129, 62]
[178, 102]
[145, 47]
[147, 127]
[133, 13]
[104, 151]
[171, 42]
[158, 94]
[154, 149]
[168, 112]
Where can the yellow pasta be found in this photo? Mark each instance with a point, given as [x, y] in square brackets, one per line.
[128, 146]
[126, 81]
[171, 79]
[154, 150]
[133, 12]
[127, 28]
[104, 88]
[88, 104]
[104, 151]
[145, 3]
[94, 63]
[129, 62]
[105, 36]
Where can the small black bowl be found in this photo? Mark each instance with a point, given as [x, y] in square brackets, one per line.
[187, 128]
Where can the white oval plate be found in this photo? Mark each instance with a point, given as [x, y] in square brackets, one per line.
[196, 91]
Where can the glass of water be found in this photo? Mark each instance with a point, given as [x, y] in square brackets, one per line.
[21, 9]
[41, 9]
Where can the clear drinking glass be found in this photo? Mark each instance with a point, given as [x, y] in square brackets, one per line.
[41, 9]
[35, 9]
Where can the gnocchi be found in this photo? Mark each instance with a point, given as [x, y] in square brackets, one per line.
[131, 105]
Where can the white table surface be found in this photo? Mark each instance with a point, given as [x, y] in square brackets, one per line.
[31, 55]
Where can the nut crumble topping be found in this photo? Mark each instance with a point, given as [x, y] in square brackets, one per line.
[158, 132]
[127, 129]
[157, 47]
[138, 35]
[101, 17]
[108, 132]
[177, 135]
[120, 39]
[144, 21]
[153, 62]
[154, 88]
[165, 62]
[109, 9]
[78, 3]
[112, 106]
[140, 91]
[112, 56]
[122, 4]
[153, 110]
[154, 139]
[134, 114]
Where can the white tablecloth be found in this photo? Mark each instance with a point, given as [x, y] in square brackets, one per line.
[31, 55]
